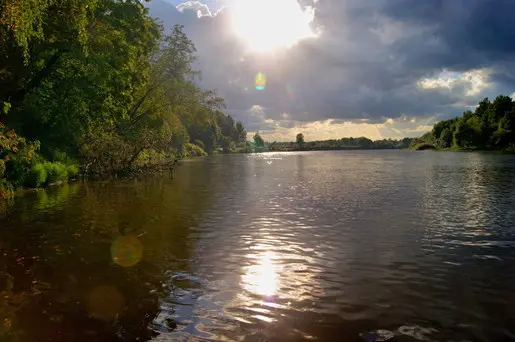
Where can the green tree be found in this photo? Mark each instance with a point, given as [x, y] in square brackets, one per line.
[258, 141]
[300, 139]
[96, 81]
[241, 134]
[364, 142]
[468, 133]
[445, 139]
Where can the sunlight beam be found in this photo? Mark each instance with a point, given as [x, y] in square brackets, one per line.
[266, 25]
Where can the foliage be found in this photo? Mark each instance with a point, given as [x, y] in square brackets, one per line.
[41, 174]
[490, 126]
[258, 141]
[99, 84]
[241, 134]
[26, 20]
[16, 155]
[227, 144]
[6, 188]
[423, 146]
[193, 150]
[340, 144]
[300, 139]
[37, 176]
[56, 172]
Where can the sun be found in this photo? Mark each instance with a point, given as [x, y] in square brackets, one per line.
[266, 25]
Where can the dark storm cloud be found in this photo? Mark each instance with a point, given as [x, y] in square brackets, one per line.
[366, 63]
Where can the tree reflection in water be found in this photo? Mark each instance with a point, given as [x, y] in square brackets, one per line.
[90, 262]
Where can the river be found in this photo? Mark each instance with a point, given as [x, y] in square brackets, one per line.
[328, 246]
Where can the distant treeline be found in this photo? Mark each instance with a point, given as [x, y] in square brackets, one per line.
[361, 143]
[491, 126]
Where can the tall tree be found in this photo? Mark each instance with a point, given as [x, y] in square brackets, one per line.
[258, 140]
[300, 139]
[241, 134]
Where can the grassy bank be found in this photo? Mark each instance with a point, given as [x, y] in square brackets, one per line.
[426, 147]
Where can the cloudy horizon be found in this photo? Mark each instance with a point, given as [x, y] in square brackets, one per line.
[380, 69]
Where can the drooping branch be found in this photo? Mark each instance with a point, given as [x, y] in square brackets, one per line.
[35, 81]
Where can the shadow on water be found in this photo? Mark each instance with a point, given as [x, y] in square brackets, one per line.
[91, 261]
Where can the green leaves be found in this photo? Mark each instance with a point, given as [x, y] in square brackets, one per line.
[32, 22]
[97, 81]
[300, 139]
[490, 126]
[6, 107]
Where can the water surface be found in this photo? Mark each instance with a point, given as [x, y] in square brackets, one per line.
[329, 246]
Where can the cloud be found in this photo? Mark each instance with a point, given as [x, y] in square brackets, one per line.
[371, 60]
[286, 130]
[468, 83]
[201, 9]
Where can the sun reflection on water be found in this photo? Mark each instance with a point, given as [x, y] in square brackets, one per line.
[262, 277]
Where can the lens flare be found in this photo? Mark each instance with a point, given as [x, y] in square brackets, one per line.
[260, 81]
[105, 302]
[126, 251]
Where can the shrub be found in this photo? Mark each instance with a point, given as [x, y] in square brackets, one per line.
[56, 172]
[193, 150]
[200, 143]
[6, 189]
[72, 170]
[2, 168]
[16, 170]
[424, 146]
[37, 176]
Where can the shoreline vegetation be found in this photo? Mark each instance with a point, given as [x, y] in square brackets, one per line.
[491, 127]
[97, 89]
[361, 143]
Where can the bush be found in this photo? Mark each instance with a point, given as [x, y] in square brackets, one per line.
[56, 172]
[72, 170]
[193, 150]
[200, 143]
[424, 146]
[37, 176]
[6, 189]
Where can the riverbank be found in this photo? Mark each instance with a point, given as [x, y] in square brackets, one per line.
[425, 147]
[360, 143]
[107, 117]
[9, 191]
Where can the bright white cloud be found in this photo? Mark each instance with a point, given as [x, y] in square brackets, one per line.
[472, 82]
[201, 9]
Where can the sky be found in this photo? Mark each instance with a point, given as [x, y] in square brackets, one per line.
[339, 68]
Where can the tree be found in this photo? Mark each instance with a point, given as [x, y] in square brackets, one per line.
[300, 139]
[227, 144]
[445, 138]
[364, 142]
[241, 134]
[468, 132]
[97, 83]
[34, 35]
[258, 140]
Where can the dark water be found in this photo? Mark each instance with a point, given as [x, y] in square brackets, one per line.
[329, 246]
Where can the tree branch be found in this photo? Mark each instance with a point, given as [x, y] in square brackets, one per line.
[37, 79]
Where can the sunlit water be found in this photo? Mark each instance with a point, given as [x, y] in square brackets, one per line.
[329, 246]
